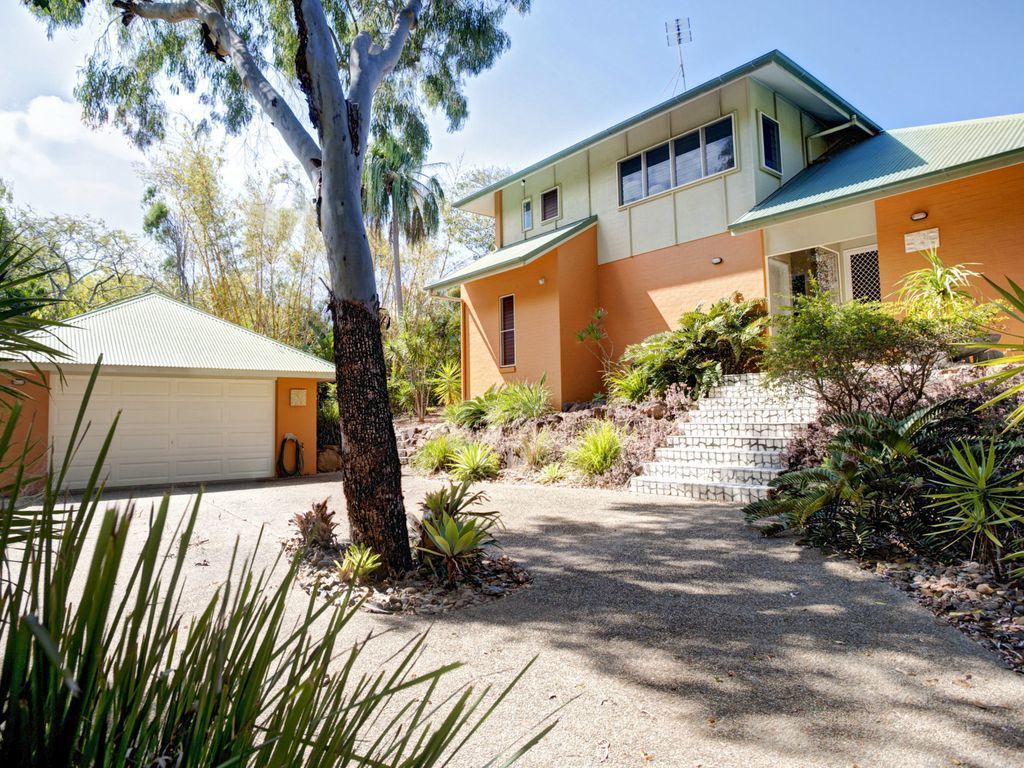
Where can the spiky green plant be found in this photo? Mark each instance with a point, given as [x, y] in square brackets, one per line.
[936, 285]
[475, 461]
[552, 473]
[1012, 363]
[447, 383]
[519, 401]
[358, 563]
[438, 453]
[980, 499]
[537, 448]
[629, 384]
[597, 449]
[456, 542]
[472, 412]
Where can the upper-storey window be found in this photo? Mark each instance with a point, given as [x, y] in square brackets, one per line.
[771, 144]
[549, 205]
[527, 214]
[707, 151]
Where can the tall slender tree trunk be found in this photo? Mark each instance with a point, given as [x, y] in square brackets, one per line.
[395, 259]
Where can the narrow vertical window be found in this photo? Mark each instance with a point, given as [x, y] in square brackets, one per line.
[771, 144]
[527, 214]
[631, 180]
[688, 166]
[659, 169]
[549, 209]
[508, 331]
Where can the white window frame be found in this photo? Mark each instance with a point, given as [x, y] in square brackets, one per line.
[557, 189]
[761, 142]
[522, 217]
[502, 362]
[705, 176]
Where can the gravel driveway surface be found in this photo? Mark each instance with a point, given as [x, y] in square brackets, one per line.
[677, 637]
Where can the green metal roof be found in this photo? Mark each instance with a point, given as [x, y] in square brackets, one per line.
[890, 162]
[511, 256]
[154, 331]
[772, 57]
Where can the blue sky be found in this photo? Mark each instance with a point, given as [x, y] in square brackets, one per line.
[574, 68]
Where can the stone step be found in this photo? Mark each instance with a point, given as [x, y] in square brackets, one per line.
[731, 378]
[742, 442]
[769, 415]
[698, 491]
[710, 473]
[724, 456]
[727, 428]
[761, 401]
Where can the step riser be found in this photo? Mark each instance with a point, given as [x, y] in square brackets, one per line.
[760, 415]
[725, 443]
[698, 430]
[711, 457]
[696, 474]
[697, 491]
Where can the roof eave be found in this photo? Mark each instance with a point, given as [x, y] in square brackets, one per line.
[950, 173]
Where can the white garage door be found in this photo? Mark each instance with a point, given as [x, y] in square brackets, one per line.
[171, 430]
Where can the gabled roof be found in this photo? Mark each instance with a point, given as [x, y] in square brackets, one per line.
[154, 331]
[512, 256]
[775, 68]
[892, 162]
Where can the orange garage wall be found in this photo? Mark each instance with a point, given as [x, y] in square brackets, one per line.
[980, 219]
[300, 420]
[646, 294]
[33, 426]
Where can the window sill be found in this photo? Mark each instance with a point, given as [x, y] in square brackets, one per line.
[680, 188]
[506, 369]
[771, 171]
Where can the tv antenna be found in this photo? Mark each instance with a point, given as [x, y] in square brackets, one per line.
[678, 32]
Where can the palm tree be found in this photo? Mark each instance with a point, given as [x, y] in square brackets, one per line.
[400, 195]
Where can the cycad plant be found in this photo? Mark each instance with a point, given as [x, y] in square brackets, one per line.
[399, 193]
[1012, 364]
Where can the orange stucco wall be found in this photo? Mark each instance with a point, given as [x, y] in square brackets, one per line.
[537, 327]
[980, 219]
[33, 426]
[300, 420]
[647, 293]
[577, 274]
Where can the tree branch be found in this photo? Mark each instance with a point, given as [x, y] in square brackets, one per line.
[405, 23]
[230, 43]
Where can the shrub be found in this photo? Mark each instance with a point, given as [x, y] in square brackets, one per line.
[1012, 374]
[537, 448]
[359, 562]
[860, 355]
[597, 449]
[519, 401]
[437, 453]
[456, 501]
[455, 542]
[471, 413]
[420, 343]
[936, 286]
[552, 473]
[447, 383]
[980, 499]
[475, 461]
[728, 338]
[316, 526]
[628, 384]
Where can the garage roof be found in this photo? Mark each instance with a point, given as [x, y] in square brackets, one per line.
[155, 331]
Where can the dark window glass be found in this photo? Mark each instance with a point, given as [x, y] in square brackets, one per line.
[508, 330]
[688, 158]
[549, 205]
[718, 147]
[659, 170]
[771, 144]
[527, 214]
[631, 185]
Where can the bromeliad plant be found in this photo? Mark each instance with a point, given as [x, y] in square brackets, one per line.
[316, 526]
[452, 530]
[980, 499]
[359, 563]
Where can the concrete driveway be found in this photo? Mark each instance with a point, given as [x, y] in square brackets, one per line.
[678, 637]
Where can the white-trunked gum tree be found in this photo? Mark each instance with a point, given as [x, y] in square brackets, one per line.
[366, 69]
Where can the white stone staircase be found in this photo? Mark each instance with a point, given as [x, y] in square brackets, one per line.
[730, 448]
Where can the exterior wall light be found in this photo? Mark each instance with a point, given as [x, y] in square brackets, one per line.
[919, 215]
[716, 260]
[542, 281]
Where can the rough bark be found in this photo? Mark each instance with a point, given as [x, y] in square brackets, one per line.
[369, 453]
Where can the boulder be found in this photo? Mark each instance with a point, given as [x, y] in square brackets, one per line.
[328, 459]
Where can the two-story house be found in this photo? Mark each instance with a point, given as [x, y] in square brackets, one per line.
[752, 183]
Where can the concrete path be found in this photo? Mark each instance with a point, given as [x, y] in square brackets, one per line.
[677, 637]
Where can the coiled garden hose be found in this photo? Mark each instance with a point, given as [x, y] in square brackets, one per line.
[282, 470]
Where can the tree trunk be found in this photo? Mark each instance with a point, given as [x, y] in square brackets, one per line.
[396, 261]
[370, 468]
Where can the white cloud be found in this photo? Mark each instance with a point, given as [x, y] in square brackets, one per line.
[57, 164]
